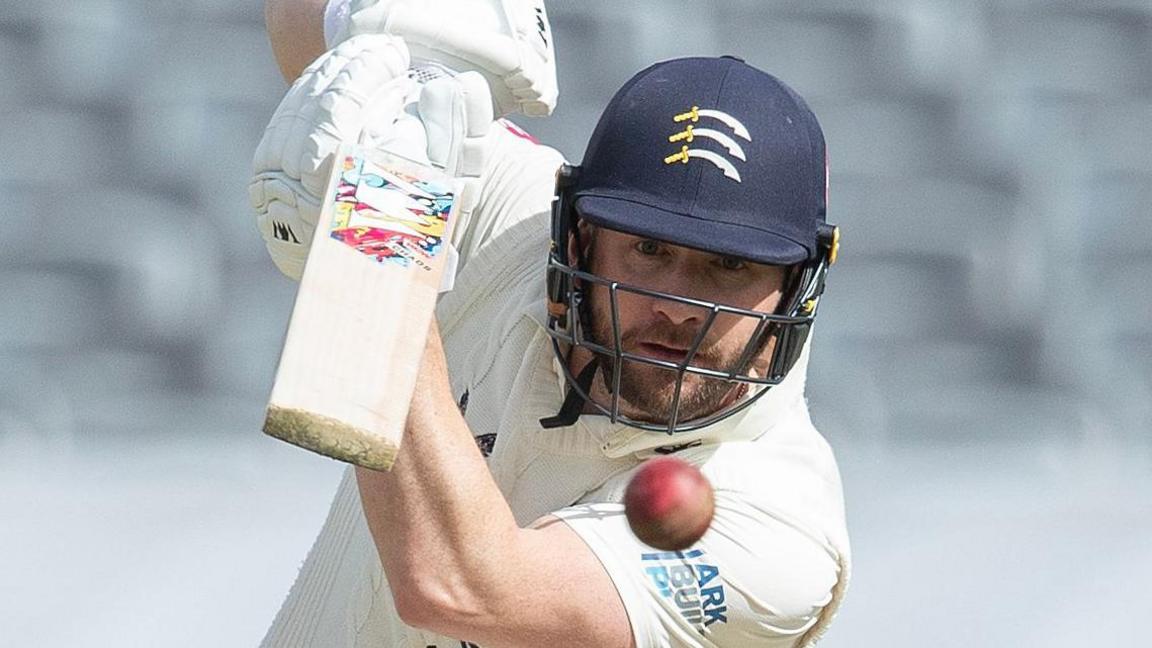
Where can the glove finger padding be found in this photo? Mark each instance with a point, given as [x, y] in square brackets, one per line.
[457, 114]
[354, 93]
[294, 111]
[507, 41]
[406, 137]
[370, 88]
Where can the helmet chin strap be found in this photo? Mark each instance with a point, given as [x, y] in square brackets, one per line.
[573, 404]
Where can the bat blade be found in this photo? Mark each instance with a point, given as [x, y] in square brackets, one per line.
[361, 317]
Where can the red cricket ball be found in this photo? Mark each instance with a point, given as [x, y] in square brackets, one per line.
[669, 503]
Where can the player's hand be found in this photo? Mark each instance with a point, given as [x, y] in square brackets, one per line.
[509, 42]
[362, 92]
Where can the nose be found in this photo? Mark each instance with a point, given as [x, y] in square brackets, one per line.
[677, 312]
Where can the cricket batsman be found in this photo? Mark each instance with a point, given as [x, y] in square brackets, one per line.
[656, 299]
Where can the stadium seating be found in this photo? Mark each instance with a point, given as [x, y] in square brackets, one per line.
[221, 12]
[51, 310]
[37, 421]
[241, 353]
[1119, 135]
[895, 136]
[1067, 52]
[45, 143]
[16, 79]
[821, 50]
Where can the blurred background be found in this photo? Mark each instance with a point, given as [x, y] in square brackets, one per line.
[983, 363]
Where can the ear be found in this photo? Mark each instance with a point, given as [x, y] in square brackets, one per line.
[580, 243]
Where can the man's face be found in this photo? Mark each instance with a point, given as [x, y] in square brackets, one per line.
[665, 330]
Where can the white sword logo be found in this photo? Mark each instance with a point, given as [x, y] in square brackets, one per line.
[690, 133]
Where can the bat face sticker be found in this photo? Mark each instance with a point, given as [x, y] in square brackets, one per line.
[389, 215]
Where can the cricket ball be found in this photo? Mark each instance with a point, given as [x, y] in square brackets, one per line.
[669, 503]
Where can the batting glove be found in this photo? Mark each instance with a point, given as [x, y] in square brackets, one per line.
[509, 42]
[362, 91]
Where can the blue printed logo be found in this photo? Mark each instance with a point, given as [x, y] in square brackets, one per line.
[690, 583]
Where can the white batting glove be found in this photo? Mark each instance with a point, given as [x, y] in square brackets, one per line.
[509, 42]
[352, 91]
[362, 92]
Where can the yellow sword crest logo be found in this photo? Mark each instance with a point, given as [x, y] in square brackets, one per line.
[691, 132]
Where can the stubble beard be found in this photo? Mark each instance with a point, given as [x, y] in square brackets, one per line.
[647, 391]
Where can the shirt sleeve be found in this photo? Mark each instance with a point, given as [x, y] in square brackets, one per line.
[753, 580]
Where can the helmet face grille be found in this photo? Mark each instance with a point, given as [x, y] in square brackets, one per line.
[743, 374]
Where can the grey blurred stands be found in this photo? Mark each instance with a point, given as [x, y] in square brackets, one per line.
[126, 142]
[990, 169]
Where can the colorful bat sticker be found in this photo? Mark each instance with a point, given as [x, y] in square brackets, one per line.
[389, 214]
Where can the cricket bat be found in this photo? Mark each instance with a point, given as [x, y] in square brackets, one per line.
[362, 312]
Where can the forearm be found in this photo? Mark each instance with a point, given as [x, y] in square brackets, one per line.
[296, 31]
[440, 523]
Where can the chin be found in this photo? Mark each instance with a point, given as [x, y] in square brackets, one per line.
[655, 405]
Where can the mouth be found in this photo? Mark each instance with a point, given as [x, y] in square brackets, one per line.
[662, 352]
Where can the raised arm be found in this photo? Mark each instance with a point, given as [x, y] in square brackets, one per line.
[502, 66]
[509, 42]
[296, 31]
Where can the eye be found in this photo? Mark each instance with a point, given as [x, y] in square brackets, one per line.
[648, 247]
[732, 263]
